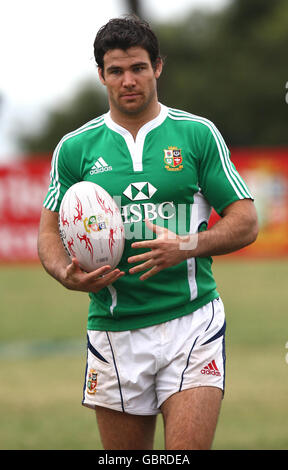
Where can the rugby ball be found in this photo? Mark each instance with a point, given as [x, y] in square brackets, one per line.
[91, 226]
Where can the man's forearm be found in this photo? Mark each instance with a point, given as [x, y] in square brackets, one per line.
[53, 255]
[237, 229]
[51, 251]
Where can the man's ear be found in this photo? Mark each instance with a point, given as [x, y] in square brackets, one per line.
[158, 68]
[101, 75]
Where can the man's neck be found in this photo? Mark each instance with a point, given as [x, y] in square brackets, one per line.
[133, 122]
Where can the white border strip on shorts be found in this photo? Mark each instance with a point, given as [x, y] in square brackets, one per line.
[220, 332]
[117, 373]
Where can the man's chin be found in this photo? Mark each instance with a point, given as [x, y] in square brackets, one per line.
[132, 109]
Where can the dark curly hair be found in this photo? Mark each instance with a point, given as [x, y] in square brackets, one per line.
[122, 33]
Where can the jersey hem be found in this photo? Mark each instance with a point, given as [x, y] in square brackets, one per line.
[110, 324]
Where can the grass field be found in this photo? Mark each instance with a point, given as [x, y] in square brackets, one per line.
[43, 353]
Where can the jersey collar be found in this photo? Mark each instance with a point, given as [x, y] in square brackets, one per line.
[144, 129]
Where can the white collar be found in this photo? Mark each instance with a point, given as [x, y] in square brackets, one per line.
[147, 127]
[136, 146]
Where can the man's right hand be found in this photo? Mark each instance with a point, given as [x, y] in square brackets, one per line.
[57, 263]
[75, 278]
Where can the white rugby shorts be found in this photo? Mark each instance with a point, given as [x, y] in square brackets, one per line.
[135, 371]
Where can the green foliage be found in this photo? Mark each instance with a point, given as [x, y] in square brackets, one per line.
[227, 66]
[230, 68]
[88, 102]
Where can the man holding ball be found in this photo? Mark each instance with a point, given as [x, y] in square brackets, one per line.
[156, 323]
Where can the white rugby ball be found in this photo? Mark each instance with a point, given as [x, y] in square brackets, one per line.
[91, 226]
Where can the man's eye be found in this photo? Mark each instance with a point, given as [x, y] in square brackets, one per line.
[114, 71]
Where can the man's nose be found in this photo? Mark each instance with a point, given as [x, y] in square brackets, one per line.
[128, 79]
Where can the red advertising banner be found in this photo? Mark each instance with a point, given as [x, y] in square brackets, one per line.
[266, 173]
[23, 186]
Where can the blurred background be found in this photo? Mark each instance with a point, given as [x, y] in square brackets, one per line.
[224, 60]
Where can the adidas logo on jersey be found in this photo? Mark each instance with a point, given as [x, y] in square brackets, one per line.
[100, 166]
[211, 369]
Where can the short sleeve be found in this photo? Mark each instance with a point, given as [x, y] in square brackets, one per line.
[219, 181]
[61, 178]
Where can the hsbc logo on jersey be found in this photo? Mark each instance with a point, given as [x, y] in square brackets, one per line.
[133, 213]
[138, 211]
[174, 217]
[139, 191]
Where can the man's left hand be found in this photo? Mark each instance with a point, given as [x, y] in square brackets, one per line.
[168, 249]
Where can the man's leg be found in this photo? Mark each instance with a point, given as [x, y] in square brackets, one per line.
[123, 431]
[190, 418]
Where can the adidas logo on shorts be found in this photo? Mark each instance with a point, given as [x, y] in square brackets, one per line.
[211, 369]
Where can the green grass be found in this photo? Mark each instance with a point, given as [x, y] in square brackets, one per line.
[41, 380]
[35, 306]
[254, 413]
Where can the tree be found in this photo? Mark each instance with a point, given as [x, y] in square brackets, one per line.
[228, 66]
[134, 6]
[87, 103]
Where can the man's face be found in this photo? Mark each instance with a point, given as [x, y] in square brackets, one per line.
[130, 79]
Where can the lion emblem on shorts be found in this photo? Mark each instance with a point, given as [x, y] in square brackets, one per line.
[92, 382]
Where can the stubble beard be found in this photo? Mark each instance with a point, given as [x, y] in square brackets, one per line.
[137, 110]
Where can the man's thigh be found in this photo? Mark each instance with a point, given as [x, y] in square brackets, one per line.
[190, 418]
[123, 431]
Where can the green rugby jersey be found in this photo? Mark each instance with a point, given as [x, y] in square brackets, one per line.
[174, 173]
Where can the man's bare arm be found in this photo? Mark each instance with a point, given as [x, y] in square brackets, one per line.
[57, 263]
[237, 228]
